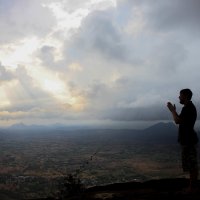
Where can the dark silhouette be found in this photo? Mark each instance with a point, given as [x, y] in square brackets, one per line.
[187, 137]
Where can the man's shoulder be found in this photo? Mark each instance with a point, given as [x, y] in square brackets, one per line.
[190, 105]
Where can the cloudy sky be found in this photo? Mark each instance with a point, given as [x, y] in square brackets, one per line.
[64, 61]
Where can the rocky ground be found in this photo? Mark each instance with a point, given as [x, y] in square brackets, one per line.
[163, 189]
[155, 189]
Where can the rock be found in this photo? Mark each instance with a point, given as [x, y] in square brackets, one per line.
[163, 189]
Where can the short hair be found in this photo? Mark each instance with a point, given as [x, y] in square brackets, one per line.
[187, 93]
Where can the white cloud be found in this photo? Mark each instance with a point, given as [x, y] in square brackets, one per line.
[19, 19]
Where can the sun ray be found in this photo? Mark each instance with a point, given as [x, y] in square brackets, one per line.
[51, 83]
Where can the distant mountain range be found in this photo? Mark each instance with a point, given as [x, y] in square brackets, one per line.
[162, 132]
[158, 133]
[165, 133]
[52, 126]
[155, 127]
[35, 126]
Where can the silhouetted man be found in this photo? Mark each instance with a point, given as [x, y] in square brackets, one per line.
[187, 137]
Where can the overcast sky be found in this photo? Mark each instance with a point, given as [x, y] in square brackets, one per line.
[64, 61]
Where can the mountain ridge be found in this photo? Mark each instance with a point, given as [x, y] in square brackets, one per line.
[22, 125]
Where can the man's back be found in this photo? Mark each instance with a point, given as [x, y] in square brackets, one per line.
[188, 117]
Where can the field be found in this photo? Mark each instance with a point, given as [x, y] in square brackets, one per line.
[33, 161]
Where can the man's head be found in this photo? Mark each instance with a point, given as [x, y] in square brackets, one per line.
[185, 96]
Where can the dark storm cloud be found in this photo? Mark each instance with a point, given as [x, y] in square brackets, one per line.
[131, 114]
[176, 15]
[167, 57]
[122, 102]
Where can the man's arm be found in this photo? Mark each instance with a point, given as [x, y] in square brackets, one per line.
[172, 109]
